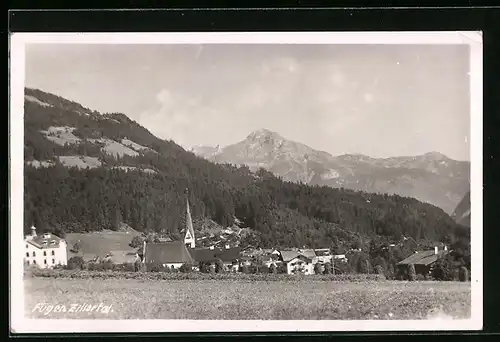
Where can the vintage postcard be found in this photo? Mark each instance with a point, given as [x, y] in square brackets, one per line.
[216, 182]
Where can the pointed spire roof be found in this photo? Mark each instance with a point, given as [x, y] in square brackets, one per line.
[189, 221]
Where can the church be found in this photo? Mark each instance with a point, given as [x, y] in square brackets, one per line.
[175, 253]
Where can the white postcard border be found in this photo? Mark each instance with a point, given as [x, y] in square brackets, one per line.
[18, 41]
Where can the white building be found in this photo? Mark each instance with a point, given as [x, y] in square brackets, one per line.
[45, 251]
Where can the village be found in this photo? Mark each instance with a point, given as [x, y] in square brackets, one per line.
[50, 251]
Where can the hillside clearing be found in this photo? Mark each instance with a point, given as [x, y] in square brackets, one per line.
[61, 135]
[206, 299]
[81, 162]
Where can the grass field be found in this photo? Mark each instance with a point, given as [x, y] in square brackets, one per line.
[99, 243]
[265, 300]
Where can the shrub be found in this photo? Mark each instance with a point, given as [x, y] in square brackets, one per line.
[443, 269]
[328, 268]
[154, 268]
[420, 277]
[138, 266]
[273, 269]
[75, 262]
[390, 272]
[281, 268]
[136, 242]
[379, 269]
[219, 266]
[244, 269]
[463, 274]
[412, 275]
[318, 269]
[75, 248]
[204, 266]
[263, 269]
[186, 268]
[108, 265]
[364, 266]
[343, 267]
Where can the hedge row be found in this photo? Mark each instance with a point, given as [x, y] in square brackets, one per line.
[83, 274]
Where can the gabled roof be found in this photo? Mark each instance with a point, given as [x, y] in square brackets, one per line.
[203, 254]
[207, 254]
[229, 254]
[46, 240]
[300, 256]
[167, 252]
[289, 255]
[322, 252]
[422, 258]
[308, 253]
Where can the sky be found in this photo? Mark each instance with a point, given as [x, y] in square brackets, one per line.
[377, 100]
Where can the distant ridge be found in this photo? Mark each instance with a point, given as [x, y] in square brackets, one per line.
[431, 177]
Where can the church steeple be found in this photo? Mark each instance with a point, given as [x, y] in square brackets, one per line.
[189, 238]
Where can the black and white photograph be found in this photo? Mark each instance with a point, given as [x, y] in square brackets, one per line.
[246, 181]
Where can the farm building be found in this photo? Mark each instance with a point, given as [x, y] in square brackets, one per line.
[421, 260]
[168, 254]
[323, 255]
[45, 251]
[296, 261]
[230, 257]
[309, 253]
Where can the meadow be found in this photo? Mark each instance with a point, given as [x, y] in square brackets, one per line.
[244, 299]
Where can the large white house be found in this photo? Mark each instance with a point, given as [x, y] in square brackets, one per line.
[45, 251]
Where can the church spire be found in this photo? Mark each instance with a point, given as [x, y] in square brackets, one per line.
[189, 238]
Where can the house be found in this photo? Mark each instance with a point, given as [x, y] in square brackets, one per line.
[168, 254]
[421, 260]
[230, 257]
[45, 251]
[339, 257]
[296, 262]
[309, 253]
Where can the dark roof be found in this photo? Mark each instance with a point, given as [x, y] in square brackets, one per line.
[229, 254]
[422, 258]
[204, 254]
[167, 252]
[207, 254]
[46, 240]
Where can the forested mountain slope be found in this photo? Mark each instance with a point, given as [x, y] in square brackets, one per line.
[87, 171]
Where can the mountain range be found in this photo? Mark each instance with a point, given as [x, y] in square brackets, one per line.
[432, 177]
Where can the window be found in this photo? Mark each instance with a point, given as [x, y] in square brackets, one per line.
[34, 254]
[27, 262]
[44, 253]
[53, 261]
[34, 261]
[27, 254]
[45, 261]
[53, 253]
[26, 245]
